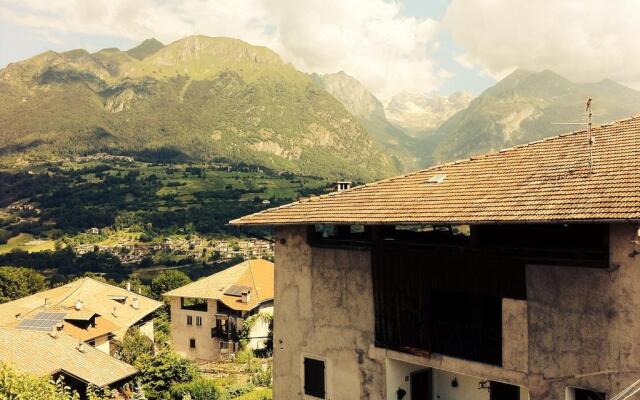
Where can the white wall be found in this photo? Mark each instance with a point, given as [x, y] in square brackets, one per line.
[398, 375]
[261, 328]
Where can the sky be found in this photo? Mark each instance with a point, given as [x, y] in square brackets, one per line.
[435, 47]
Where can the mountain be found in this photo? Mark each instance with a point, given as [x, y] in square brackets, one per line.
[524, 107]
[199, 98]
[147, 47]
[418, 114]
[369, 111]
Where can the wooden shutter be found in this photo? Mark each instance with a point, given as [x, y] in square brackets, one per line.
[314, 378]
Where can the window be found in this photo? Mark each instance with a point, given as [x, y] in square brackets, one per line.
[314, 378]
[198, 321]
[192, 343]
[187, 303]
[583, 394]
[189, 320]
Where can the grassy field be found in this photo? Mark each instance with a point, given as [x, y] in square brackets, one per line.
[26, 242]
[257, 394]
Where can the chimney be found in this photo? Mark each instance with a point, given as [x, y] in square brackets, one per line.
[115, 311]
[81, 347]
[135, 303]
[129, 286]
[78, 305]
[343, 185]
[246, 296]
[53, 332]
[46, 301]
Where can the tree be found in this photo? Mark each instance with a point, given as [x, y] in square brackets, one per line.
[159, 372]
[133, 346]
[17, 282]
[15, 385]
[168, 280]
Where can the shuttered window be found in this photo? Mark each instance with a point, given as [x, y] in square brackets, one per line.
[198, 321]
[314, 378]
[189, 320]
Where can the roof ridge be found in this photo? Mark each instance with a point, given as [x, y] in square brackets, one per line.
[88, 278]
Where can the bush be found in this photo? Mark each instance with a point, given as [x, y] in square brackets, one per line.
[133, 346]
[200, 389]
[239, 390]
[258, 394]
[15, 385]
[158, 373]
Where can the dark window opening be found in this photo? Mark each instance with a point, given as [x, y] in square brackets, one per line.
[339, 235]
[583, 394]
[314, 378]
[193, 304]
[192, 343]
[189, 320]
[584, 245]
[198, 321]
[503, 391]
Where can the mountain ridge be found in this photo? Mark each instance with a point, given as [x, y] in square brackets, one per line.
[197, 98]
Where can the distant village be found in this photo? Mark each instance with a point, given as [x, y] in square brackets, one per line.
[134, 252]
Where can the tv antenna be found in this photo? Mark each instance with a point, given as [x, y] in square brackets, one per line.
[589, 123]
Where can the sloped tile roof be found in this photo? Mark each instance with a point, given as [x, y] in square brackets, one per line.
[96, 297]
[40, 354]
[545, 181]
[256, 274]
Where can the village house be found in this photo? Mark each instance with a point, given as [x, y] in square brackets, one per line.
[513, 275]
[207, 315]
[57, 354]
[86, 309]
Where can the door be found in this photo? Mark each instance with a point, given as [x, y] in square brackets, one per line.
[503, 391]
[421, 386]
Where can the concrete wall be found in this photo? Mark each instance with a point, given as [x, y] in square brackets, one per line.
[323, 307]
[147, 330]
[207, 348]
[578, 328]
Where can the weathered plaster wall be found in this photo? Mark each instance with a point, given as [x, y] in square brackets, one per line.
[207, 348]
[323, 307]
[584, 324]
[580, 327]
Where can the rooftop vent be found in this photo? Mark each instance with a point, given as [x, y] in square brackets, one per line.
[78, 305]
[438, 178]
[135, 303]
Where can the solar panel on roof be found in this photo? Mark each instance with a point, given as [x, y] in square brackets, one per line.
[42, 321]
[236, 290]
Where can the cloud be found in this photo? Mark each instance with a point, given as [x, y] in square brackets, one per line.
[584, 40]
[369, 39]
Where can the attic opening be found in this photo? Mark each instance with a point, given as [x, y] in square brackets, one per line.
[193, 304]
[584, 245]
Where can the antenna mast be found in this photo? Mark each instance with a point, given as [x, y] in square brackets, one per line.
[589, 123]
[591, 138]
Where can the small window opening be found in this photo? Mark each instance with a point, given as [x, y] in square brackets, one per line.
[314, 378]
[192, 343]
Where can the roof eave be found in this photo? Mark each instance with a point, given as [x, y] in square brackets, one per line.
[435, 222]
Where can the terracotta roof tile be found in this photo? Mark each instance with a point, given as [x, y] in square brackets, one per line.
[256, 274]
[39, 353]
[544, 181]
